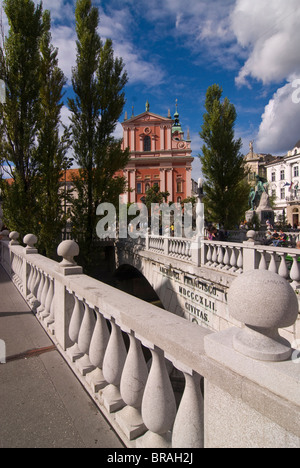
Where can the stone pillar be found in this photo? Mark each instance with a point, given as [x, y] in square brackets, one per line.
[249, 252]
[63, 300]
[162, 137]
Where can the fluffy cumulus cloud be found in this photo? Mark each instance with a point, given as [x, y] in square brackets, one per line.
[270, 33]
[280, 126]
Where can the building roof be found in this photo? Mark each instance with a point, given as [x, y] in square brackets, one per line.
[297, 145]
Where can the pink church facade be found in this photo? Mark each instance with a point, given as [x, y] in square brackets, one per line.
[159, 155]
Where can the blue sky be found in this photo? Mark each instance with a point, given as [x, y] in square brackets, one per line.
[175, 49]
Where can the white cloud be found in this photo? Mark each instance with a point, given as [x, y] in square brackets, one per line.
[138, 64]
[64, 38]
[270, 31]
[280, 126]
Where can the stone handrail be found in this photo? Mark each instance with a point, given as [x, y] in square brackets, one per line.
[229, 257]
[124, 351]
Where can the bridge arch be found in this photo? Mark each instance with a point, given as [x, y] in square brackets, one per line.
[132, 281]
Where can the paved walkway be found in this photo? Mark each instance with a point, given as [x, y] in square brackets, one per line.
[42, 404]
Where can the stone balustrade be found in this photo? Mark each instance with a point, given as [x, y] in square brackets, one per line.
[230, 257]
[233, 389]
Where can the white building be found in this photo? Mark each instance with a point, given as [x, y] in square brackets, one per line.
[283, 175]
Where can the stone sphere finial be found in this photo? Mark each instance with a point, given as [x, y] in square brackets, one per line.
[14, 236]
[68, 249]
[251, 236]
[30, 240]
[5, 234]
[264, 302]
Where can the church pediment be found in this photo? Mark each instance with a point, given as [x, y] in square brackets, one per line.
[147, 117]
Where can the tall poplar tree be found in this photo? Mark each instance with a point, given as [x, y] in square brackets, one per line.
[19, 69]
[29, 125]
[52, 147]
[98, 81]
[226, 192]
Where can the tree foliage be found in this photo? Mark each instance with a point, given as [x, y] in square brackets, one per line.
[30, 141]
[225, 188]
[98, 81]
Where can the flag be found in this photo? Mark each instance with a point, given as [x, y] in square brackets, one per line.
[291, 186]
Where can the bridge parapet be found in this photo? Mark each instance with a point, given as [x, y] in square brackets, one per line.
[229, 257]
[107, 336]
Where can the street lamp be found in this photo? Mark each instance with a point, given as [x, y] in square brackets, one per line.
[200, 190]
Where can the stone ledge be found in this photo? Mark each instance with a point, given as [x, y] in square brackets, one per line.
[270, 388]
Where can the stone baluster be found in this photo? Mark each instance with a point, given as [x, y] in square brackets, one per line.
[97, 351]
[34, 301]
[214, 256]
[295, 273]
[43, 295]
[31, 283]
[159, 405]
[272, 264]
[84, 364]
[75, 323]
[220, 257]
[263, 262]
[49, 299]
[188, 430]
[185, 249]
[233, 260]
[50, 319]
[133, 382]
[113, 365]
[40, 289]
[283, 269]
[208, 255]
[240, 260]
[226, 259]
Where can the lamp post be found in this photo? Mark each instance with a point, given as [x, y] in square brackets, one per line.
[200, 190]
[67, 164]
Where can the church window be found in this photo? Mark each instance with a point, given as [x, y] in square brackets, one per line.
[179, 187]
[147, 143]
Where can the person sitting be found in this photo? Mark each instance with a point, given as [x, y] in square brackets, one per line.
[268, 238]
[275, 238]
[279, 238]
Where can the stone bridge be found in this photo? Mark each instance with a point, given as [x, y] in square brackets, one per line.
[192, 277]
[240, 388]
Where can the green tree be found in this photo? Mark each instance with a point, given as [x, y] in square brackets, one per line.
[98, 81]
[154, 195]
[30, 143]
[52, 148]
[19, 69]
[225, 188]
